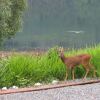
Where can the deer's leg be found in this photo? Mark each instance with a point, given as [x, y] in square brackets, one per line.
[67, 70]
[67, 73]
[94, 74]
[66, 76]
[73, 76]
[87, 71]
[94, 70]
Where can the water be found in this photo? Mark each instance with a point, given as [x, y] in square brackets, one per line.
[68, 23]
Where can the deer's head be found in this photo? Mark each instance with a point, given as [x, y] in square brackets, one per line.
[61, 51]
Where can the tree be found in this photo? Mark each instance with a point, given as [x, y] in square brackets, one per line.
[11, 12]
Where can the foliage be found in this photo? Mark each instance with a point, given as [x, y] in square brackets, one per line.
[25, 70]
[11, 12]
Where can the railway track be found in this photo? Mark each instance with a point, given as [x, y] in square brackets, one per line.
[51, 86]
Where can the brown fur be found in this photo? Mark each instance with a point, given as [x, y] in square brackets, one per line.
[72, 62]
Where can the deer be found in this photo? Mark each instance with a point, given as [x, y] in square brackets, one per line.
[77, 60]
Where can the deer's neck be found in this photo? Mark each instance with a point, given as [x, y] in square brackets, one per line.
[63, 58]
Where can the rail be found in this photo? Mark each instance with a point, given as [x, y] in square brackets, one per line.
[51, 86]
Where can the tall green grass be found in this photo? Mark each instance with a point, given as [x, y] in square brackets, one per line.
[24, 70]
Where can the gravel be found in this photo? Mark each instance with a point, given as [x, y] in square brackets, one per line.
[81, 92]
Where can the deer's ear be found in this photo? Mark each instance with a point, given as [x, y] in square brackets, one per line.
[59, 49]
[62, 49]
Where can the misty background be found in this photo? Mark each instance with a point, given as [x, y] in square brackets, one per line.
[68, 23]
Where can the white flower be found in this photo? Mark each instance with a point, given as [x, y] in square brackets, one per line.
[55, 81]
[37, 84]
[15, 87]
[4, 88]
